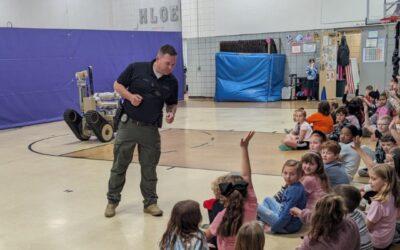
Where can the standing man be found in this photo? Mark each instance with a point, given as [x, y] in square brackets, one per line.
[145, 86]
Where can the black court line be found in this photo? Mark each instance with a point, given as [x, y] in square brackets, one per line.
[169, 167]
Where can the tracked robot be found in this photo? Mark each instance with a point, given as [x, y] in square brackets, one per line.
[98, 110]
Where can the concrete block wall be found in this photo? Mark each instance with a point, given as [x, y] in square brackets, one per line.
[201, 59]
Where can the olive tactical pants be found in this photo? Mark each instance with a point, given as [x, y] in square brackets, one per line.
[147, 138]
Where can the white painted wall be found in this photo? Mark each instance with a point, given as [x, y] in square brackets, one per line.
[203, 18]
[87, 14]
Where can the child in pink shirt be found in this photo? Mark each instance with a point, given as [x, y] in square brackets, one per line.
[315, 183]
[240, 203]
[382, 214]
[382, 109]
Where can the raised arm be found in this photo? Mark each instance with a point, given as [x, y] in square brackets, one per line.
[367, 123]
[393, 130]
[364, 156]
[246, 168]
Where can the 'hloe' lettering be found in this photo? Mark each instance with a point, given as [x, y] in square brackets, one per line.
[164, 14]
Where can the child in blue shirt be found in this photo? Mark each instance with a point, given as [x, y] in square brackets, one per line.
[311, 73]
[333, 167]
[277, 214]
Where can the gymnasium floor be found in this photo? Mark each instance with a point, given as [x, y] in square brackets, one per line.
[53, 186]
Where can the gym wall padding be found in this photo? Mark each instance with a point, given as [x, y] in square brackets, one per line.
[37, 67]
[249, 77]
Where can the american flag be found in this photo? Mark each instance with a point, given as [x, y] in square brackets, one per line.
[349, 79]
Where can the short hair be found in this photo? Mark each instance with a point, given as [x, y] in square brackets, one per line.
[342, 110]
[388, 138]
[394, 79]
[296, 164]
[320, 134]
[331, 146]
[167, 49]
[311, 60]
[353, 130]
[324, 108]
[369, 87]
[350, 194]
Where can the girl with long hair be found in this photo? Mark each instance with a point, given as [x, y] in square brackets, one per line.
[315, 182]
[239, 200]
[183, 231]
[330, 229]
[382, 213]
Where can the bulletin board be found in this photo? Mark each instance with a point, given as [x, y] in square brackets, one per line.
[328, 65]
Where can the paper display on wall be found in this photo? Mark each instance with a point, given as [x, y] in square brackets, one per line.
[376, 54]
[309, 47]
[371, 43]
[373, 34]
[330, 75]
[296, 49]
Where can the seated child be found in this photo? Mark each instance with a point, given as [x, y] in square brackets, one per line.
[315, 183]
[352, 197]
[381, 110]
[183, 228]
[277, 214]
[370, 99]
[377, 132]
[322, 120]
[214, 205]
[316, 140]
[334, 106]
[341, 121]
[383, 211]
[240, 202]
[330, 229]
[334, 169]
[355, 109]
[370, 158]
[298, 138]
[349, 157]
[250, 237]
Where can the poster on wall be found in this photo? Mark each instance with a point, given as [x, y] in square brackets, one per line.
[309, 47]
[330, 75]
[375, 54]
[296, 49]
[371, 42]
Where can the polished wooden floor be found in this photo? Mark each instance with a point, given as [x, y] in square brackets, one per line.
[52, 201]
[211, 150]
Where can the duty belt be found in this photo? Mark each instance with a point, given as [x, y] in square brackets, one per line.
[142, 124]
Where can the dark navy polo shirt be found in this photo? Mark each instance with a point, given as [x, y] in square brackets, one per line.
[139, 78]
